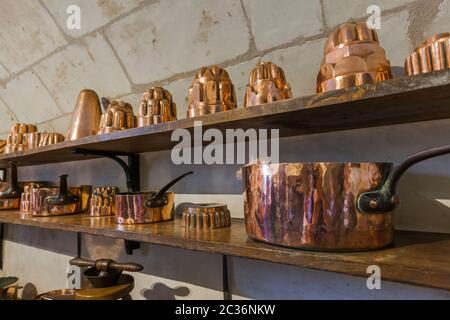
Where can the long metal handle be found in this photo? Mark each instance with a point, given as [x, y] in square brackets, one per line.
[106, 264]
[385, 199]
[157, 200]
[64, 197]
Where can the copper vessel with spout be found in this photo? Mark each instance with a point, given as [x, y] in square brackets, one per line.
[267, 83]
[86, 116]
[352, 57]
[211, 91]
[432, 55]
[325, 206]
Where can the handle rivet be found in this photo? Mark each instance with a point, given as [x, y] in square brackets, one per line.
[373, 204]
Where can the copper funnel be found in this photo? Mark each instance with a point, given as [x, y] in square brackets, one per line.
[86, 116]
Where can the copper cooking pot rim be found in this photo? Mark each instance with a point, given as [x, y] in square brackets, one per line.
[315, 162]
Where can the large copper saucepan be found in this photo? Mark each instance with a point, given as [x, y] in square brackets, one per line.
[325, 206]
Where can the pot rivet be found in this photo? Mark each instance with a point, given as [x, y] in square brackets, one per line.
[373, 204]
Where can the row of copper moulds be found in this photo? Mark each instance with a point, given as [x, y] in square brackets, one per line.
[352, 57]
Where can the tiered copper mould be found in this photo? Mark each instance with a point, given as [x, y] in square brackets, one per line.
[17, 138]
[205, 216]
[432, 55]
[325, 206]
[146, 207]
[211, 91]
[267, 83]
[156, 106]
[86, 116]
[2, 146]
[106, 281]
[118, 116]
[353, 57]
[103, 201]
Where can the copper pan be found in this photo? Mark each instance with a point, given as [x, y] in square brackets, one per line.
[10, 198]
[146, 207]
[325, 206]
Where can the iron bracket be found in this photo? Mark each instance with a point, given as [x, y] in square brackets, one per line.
[132, 174]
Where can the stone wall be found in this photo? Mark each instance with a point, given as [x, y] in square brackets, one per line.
[126, 46]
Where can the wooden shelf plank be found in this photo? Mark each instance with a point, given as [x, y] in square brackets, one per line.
[403, 100]
[416, 258]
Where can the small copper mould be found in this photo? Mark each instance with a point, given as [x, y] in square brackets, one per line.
[103, 201]
[17, 138]
[206, 216]
[353, 57]
[118, 116]
[156, 106]
[211, 91]
[267, 83]
[2, 146]
[25, 198]
[432, 55]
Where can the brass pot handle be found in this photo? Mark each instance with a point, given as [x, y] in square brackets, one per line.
[106, 265]
[385, 199]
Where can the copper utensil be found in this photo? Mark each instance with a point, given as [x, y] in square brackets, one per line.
[205, 216]
[86, 116]
[267, 83]
[146, 207]
[353, 57]
[16, 140]
[10, 198]
[325, 206]
[156, 106]
[48, 138]
[118, 116]
[432, 55]
[211, 91]
[103, 201]
[2, 146]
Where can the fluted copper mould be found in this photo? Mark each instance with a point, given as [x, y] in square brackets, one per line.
[205, 216]
[146, 207]
[267, 83]
[211, 91]
[10, 198]
[2, 146]
[56, 201]
[353, 57]
[86, 116]
[156, 106]
[48, 138]
[325, 206]
[103, 201]
[432, 55]
[25, 198]
[16, 140]
[118, 116]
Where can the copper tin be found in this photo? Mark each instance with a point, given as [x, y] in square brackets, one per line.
[156, 106]
[131, 208]
[211, 91]
[206, 216]
[267, 83]
[312, 205]
[86, 116]
[16, 140]
[32, 139]
[432, 55]
[103, 201]
[118, 116]
[25, 199]
[352, 57]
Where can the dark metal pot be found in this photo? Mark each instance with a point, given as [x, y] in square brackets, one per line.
[325, 206]
[146, 207]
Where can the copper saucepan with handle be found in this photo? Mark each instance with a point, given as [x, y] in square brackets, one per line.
[325, 206]
[146, 207]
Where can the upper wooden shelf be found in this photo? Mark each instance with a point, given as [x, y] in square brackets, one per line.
[415, 258]
[402, 100]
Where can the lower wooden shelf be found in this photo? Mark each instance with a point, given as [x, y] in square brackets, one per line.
[415, 258]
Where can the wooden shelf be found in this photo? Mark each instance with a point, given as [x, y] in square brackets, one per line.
[416, 258]
[402, 100]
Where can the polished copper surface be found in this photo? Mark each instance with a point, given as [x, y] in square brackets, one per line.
[206, 216]
[267, 83]
[118, 116]
[156, 106]
[2, 146]
[16, 140]
[25, 199]
[211, 91]
[312, 205]
[103, 201]
[86, 116]
[39, 207]
[432, 55]
[48, 138]
[352, 57]
[131, 208]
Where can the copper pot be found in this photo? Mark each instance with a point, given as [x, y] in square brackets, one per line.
[146, 207]
[10, 198]
[325, 206]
